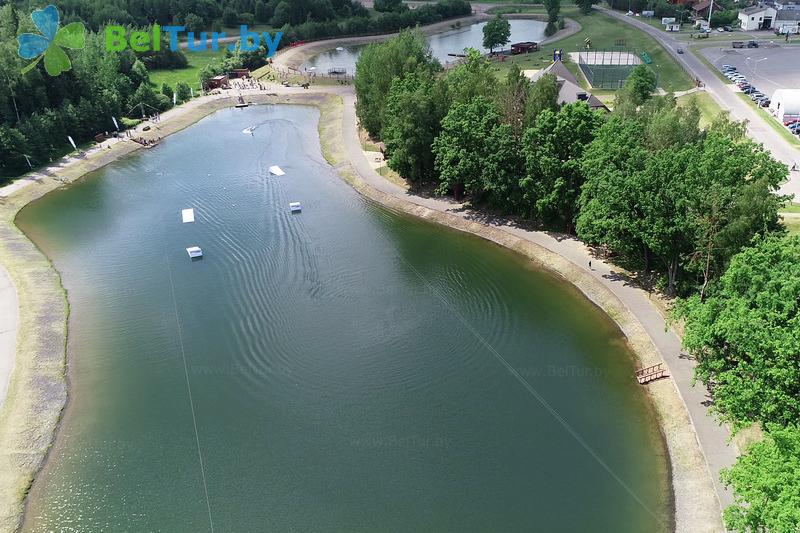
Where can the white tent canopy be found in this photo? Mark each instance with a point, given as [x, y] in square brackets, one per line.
[785, 102]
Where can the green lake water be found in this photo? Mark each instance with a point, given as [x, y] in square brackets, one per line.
[341, 369]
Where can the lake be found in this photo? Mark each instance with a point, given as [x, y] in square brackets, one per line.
[341, 369]
[449, 42]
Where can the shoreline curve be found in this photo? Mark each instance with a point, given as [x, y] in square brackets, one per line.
[41, 352]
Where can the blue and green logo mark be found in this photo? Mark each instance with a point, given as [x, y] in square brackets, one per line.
[49, 45]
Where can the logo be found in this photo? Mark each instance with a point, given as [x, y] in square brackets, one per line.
[118, 40]
[49, 45]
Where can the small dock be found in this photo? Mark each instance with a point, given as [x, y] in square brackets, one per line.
[651, 373]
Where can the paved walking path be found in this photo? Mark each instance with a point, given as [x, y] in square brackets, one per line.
[726, 98]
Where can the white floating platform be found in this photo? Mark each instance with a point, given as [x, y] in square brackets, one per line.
[294, 207]
[187, 215]
[194, 251]
[339, 48]
[276, 170]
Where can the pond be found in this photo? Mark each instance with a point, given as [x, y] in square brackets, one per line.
[345, 368]
[449, 42]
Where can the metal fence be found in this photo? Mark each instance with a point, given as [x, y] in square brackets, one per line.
[608, 69]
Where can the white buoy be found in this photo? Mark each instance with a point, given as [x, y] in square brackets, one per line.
[187, 215]
[275, 170]
[194, 251]
[294, 207]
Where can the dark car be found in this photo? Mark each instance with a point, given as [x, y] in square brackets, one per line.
[680, 50]
[765, 102]
[752, 44]
[749, 89]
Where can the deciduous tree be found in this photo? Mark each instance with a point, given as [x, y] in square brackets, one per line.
[745, 336]
[766, 484]
[414, 110]
[378, 65]
[496, 33]
[553, 148]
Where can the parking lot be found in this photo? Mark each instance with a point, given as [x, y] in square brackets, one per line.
[768, 67]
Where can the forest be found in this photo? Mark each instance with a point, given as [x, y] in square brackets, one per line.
[695, 209]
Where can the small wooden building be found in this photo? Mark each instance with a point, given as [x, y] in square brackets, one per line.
[240, 73]
[218, 82]
[524, 47]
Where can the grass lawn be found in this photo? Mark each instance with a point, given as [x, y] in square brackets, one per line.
[190, 74]
[792, 224]
[604, 32]
[709, 110]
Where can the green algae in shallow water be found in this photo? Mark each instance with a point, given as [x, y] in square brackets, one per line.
[334, 384]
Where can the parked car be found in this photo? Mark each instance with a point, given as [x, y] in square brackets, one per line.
[728, 67]
[765, 102]
[757, 95]
[680, 50]
[727, 28]
[752, 44]
[749, 89]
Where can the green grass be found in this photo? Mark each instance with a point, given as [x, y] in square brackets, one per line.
[709, 110]
[791, 208]
[190, 74]
[604, 31]
[792, 225]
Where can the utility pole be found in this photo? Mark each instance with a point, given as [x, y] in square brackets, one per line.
[710, 9]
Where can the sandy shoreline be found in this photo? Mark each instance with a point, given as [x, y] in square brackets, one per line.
[38, 392]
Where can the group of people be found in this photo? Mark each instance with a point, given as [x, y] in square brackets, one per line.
[146, 142]
[248, 83]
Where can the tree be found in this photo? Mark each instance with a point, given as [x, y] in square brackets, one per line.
[553, 8]
[472, 77]
[183, 92]
[13, 145]
[383, 6]
[378, 65]
[732, 201]
[230, 18]
[746, 335]
[166, 90]
[544, 95]
[414, 110]
[687, 200]
[263, 12]
[640, 84]
[512, 99]
[496, 32]
[194, 23]
[586, 5]
[766, 484]
[477, 154]
[553, 148]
